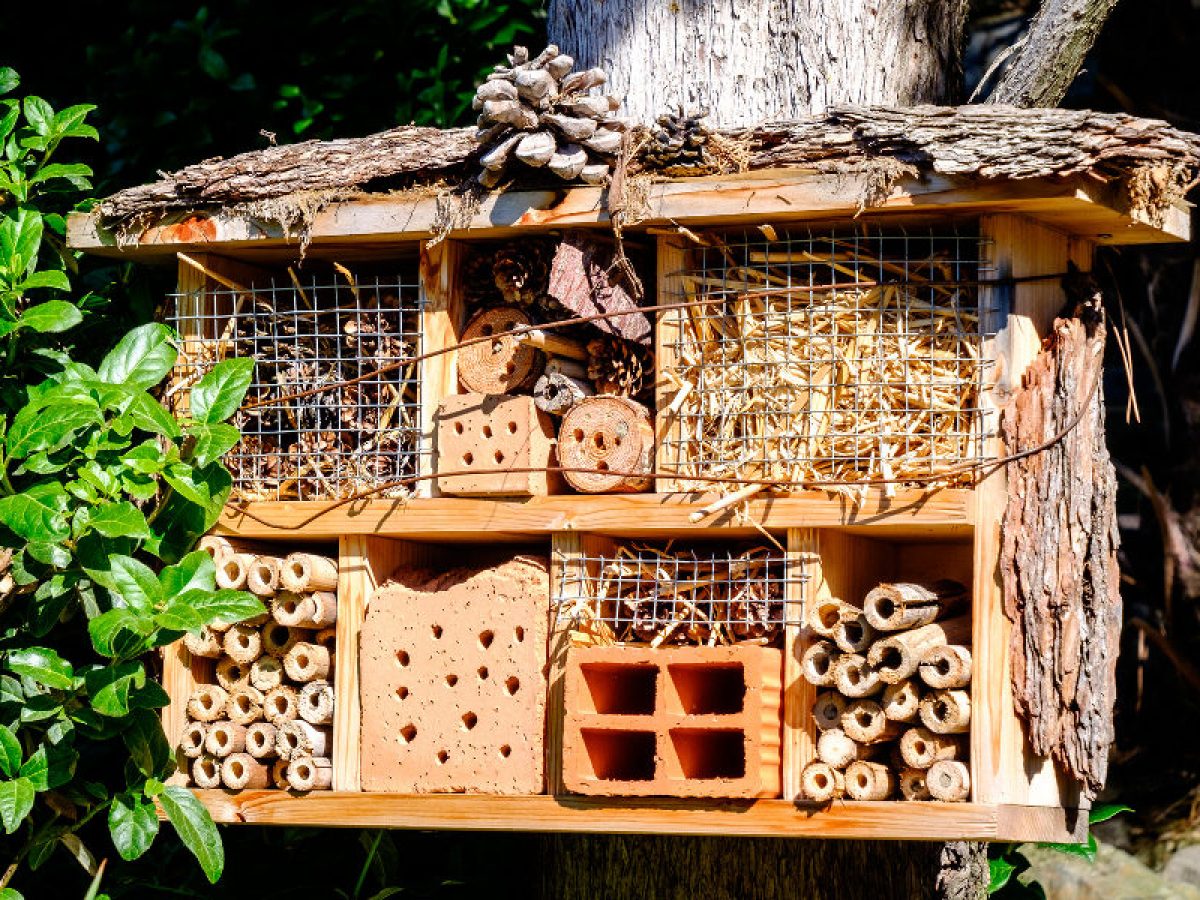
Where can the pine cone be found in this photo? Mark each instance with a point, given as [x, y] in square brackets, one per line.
[618, 366]
[677, 143]
[521, 272]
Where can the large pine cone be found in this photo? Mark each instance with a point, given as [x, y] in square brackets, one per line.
[621, 367]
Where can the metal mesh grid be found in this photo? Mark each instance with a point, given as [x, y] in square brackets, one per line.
[304, 336]
[657, 594]
[844, 355]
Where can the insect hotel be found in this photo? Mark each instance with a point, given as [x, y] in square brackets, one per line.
[620, 479]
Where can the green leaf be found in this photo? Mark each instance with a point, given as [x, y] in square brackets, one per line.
[218, 394]
[54, 555]
[1085, 850]
[1105, 811]
[76, 173]
[224, 607]
[196, 571]
[207, 487]
[179, 616]
[147, 745]
[212, 442]
[148, 414]
[39, 114]
[133, 824]
[120, 632]
[33, 517]
[10, 752]
[49, 429]
[53, 316]
[9, 80]
[196, 829]
[51, 320]
[136, 584]
[119, 520]
[11, 894]
[16, 801]
[43, 665]
[50, 766]
[109, 687]
[999, 872]
[36, 769]
[142, 358]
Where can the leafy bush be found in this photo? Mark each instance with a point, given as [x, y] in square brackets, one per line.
[99, 487]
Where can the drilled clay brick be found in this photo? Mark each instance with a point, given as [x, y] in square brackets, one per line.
[453, 681]
[483, 435]
[676, 722]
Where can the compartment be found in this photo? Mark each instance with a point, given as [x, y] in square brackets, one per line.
[613, 755]
[706, 753]
[620, 690]
[701, 690]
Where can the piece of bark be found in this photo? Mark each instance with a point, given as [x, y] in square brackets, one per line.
[579, 282]
[1059, 571]
[898, 655]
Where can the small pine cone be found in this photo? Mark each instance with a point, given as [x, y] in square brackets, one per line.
[618, 366]
[521, 271]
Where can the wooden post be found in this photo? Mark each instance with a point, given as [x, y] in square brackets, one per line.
[672, 260]
[442, 314]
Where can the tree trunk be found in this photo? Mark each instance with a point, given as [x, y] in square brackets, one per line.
[751, 61]
[747, 61]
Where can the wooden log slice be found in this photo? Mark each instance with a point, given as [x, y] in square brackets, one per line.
[501, 366]
[602, 435]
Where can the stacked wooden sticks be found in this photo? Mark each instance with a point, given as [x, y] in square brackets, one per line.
[267, 721]
[647, 594]
[895, 713]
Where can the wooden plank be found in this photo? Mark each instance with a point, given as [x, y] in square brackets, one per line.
[911, 512]
[883, 820]
[672, 261]
[799, 732]
[1095, 211]
[441, 322]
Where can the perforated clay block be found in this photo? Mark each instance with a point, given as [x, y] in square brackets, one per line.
[483, 435]
[675, 722]
[453, 681]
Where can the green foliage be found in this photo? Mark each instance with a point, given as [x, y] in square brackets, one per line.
[103, 495]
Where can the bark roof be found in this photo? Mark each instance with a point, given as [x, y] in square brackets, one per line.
[1158, 162]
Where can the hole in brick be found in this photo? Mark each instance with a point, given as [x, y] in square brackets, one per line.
[442, 757]
[505, 750]
[402, 657]
[451, 680]
[408, 733]
[468, 458]
[486, 638]
[437, 631]
[402, 692]
[707, 690]
[620, 755]
[601, 466]
[519, 634]
[510, 325]
[487, 431]
[482, 673]
[499, 456]
[578, 435]
[458, 427]
[487, 328]
[470, 720]
[621, 690]
[512, 684]
[710, 754]
[616, 440]
[512, 427]
[598, 440]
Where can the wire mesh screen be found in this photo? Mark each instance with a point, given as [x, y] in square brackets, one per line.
[828, 356]
[309, 338]
[657, 594]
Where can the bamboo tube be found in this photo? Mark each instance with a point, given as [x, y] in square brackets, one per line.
[853, 635]
[262, 577]
[324, 609]
[280, 705]
[864, 722]
[243, 644]
[572, 368]
[901, 701]
[231, 673]
[279, 773]
[206, 771]
[317, 610]
[225, 738]
[946, 712]
[191, 744]
[279, 640]
[920, 748]
[206, 643]
[826, 614]
[944, 667]
[828, 709]
[949, 780]
[260, 740]
[855, 678]
[316, 702]
[835, 749]
[245, 705]
[820, 782]
[310, 773]
[896, 607]
[553, 343]
[869, 781]
[897, 656]
[216, 546]
[207, 703]
[307, 662]
[326, 637]
[305, 572]
[299, 738]
[266, 673]
[232, 571]
[913, 785]
[818, 664]
[241, 771]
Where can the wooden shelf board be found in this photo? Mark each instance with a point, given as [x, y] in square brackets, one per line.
[375, 224]
[735, 818]
[945, 513]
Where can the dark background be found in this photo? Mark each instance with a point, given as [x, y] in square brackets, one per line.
[179, 82]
